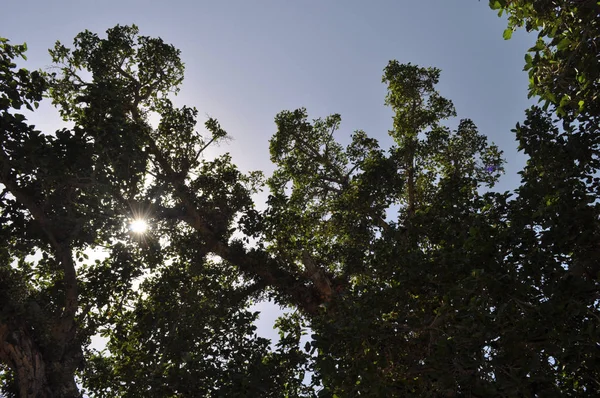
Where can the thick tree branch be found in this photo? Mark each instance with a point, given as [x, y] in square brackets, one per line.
[261, 266]
[19, 352]
[62, 250]
[316, 274]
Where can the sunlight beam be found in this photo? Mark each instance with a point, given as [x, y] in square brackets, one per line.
[138, 226]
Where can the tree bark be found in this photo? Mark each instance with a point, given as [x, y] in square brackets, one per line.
[47, 370]
[35, 375]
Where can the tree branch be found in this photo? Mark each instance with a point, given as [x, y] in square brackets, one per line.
[261, 266]
[62, 250]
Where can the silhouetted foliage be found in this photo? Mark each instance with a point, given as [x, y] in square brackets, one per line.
[414, 277]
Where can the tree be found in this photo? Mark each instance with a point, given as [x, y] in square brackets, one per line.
[72, 193]
[564, 66]
[40, 211]
[556, 215]
[332, 210]
[414, 277]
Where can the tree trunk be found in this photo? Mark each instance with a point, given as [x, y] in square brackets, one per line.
[35, 375]
[411, 178]
[411, 191]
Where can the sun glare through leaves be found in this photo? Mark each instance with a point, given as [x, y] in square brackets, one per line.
[138, 226]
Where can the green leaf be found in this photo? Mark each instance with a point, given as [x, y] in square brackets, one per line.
[495, 5]
[563, 44]
[507, 34]
[564, 100]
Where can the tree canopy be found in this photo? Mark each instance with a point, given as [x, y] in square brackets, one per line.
[411, 274]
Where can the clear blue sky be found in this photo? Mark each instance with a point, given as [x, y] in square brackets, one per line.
[247, 60]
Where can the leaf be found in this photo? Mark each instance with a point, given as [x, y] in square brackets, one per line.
[563, 44]
[507, 34]
[495, 4]
[564, 100]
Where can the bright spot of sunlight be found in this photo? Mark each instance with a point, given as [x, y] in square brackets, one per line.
[138, 226]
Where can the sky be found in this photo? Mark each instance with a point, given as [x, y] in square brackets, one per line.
[248, 60]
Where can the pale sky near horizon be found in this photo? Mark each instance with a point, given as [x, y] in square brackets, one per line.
[248, 60]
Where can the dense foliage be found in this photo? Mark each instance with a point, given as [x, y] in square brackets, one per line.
[413, 277]
[563, 65]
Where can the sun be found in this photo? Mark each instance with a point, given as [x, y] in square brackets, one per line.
[138, 226]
